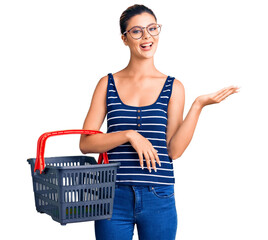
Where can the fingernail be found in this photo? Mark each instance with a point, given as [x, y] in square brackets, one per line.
[155, 170]
[150, 170]
[142, 167]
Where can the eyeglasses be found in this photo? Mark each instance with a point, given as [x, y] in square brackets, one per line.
[137, 32]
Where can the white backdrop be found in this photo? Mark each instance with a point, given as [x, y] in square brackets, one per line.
[54, 52]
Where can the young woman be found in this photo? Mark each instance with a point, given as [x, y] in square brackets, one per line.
[145, 133]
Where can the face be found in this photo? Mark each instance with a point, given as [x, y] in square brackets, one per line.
[135, 45]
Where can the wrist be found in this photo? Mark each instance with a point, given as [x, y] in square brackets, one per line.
[198, 104]
[128, 134]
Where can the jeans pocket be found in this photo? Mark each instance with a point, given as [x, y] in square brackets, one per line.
[163, 191]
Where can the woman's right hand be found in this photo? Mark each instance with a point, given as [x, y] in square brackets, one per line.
[144, 147]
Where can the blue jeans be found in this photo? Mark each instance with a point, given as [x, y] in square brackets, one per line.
[152, 208]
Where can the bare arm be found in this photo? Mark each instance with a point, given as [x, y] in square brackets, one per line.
[182, 137]
[101, 142]
[184, 132]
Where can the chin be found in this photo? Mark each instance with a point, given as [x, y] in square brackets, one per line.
[148, 54]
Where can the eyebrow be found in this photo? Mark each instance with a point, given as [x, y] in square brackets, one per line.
[142, 26]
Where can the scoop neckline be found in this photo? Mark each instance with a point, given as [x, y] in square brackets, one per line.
[136, 107]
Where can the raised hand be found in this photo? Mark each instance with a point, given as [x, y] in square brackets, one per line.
[216, 97]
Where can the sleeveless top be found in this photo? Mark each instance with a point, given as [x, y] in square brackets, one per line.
[151, 122]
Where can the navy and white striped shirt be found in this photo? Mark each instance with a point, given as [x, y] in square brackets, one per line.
[151, 122]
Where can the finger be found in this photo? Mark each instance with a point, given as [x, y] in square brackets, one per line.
[224, 89]
[220, 91]
[215, 96]
[223, 92]
[141, 159]
[226, 95]
[157, 158]
[152, 160]
[237, 90]
[147, 161]
[221, 95]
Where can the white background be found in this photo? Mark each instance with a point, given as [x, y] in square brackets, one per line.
[54, 52]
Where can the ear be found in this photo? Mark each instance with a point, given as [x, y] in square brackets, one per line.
[124, 38]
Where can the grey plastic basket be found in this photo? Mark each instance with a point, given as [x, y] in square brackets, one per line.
[74, 188]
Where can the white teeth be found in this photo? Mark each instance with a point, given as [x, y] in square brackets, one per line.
[148, 44]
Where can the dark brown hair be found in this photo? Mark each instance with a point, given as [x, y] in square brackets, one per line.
[130, 12]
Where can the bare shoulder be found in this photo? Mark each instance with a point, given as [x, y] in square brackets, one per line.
[178, 85]
[97, 110]
[99, 95]
[178, 91]
[103, 82]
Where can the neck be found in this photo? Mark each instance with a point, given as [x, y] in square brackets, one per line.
[141, 67]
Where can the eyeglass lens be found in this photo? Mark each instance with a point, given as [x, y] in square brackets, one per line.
[153, 29]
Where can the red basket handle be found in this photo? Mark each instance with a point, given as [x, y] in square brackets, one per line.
[40, 161]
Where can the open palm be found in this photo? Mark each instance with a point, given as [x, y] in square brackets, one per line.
[218, 96]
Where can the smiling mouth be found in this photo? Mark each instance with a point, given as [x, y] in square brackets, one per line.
[146, 46]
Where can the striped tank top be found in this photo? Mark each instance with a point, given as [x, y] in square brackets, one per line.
[151, 122]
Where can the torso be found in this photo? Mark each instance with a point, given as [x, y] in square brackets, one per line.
[139, 92]
[143, 108]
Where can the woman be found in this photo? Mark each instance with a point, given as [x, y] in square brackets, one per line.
[146, 132]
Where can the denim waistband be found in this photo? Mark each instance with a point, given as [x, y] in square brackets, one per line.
[131, 187]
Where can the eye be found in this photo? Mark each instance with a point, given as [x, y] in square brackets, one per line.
[136, 31]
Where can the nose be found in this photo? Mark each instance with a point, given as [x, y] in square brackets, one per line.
[146, 33]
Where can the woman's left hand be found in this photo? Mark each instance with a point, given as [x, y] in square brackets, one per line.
[216, 97]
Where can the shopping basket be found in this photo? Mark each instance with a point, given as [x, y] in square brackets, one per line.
[73, 188]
